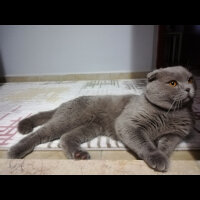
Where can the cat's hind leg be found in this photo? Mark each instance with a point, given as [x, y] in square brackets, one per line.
[50, 131]
[71, 141]
[27, 125]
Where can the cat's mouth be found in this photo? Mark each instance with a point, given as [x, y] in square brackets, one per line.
[187, 98]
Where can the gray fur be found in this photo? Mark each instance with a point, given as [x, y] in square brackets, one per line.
[151, 125]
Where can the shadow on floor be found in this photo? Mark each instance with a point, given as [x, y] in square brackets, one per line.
[195, 154]
[194, 138]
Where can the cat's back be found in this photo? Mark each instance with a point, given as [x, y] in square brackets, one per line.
[107, 105]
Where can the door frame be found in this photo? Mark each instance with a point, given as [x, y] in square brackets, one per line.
[160, 46]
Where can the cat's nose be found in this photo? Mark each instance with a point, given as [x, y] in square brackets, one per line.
[187, 89]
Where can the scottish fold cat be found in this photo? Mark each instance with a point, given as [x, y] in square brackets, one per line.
[151, 124]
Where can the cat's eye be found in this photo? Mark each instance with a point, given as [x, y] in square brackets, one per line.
[190, 80]
[173, 83]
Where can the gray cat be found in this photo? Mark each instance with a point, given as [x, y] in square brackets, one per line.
[151, 125]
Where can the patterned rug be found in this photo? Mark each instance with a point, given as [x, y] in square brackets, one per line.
[20, 100]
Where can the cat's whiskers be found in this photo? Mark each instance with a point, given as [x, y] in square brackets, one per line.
[181, 103]
[177, 103]
[171, 107]
[180, 98]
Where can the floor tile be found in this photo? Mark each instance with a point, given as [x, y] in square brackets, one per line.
[105, 155]
[185, 155]
[117, 155]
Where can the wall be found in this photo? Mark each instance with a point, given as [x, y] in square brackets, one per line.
[58, 49]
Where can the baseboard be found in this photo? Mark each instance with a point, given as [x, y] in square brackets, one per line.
[73, 77]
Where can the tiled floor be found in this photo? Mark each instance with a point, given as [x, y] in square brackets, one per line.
[93, 167]
[105, 155]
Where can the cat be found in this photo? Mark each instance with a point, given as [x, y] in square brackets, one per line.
[151, 124]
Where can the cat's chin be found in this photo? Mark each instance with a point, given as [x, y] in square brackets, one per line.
[188, 99]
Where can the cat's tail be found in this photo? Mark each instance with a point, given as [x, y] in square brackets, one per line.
[28, 124]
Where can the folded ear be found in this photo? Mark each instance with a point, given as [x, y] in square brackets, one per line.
[152, 75]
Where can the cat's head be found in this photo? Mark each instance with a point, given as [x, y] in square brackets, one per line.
[170, 87]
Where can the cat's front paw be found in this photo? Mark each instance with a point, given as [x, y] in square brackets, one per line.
[158, 161]
[25, 126]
